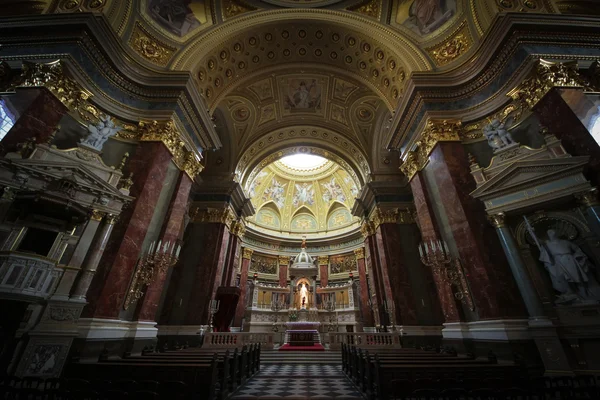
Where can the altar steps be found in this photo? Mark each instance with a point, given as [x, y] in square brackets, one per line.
[299, 357]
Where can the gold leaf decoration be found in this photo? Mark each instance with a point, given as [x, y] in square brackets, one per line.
[370, 9]
[150, 48]
[233, 8]
[452, 48]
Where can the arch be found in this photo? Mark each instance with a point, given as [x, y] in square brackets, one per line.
[304, 139]
[338, 216]
[303, 210]
[268, 215]
[304, 223]
[404, 48]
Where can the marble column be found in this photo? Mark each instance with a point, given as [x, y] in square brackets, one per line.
[323, 270]
[373, 259]
[365, 309]
[231, 260]
[40, 120]
[556, 112]
[241, 306]
[214, 241]
[393, 264]
[284, 263]
[429, 231]
[519, 270]
[93, 256]
[486, 268]
[110, 284]
[148, 305]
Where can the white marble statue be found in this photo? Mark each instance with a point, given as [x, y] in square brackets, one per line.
[497, 135]
[304, 296]
[570, 270]
[100, 133]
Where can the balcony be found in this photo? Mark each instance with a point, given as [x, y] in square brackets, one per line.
[29, 275]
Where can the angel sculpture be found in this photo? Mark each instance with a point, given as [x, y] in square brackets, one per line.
[100, 133]
[497, 135]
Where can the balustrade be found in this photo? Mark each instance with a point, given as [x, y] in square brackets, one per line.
[238, 339]
[28, 274]
[365, 340]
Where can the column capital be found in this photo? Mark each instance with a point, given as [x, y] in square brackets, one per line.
[212, 215]
[497, 220]
[238, 228]
[546, 75]
[247, 253]
[392, 216]
[367, 229]
[588, 198]
[435, 131]
[323, 260]
[284, 260]
[359, 253]
[97, 215]
[111, 219]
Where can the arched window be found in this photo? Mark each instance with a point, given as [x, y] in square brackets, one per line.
[7, 120]
[594, 126]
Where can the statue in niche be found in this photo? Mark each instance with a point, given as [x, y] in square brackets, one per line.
[100, 133]
[497, 135]
[304, 295]
[570, 270]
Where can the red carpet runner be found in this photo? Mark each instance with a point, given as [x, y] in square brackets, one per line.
[315, 347]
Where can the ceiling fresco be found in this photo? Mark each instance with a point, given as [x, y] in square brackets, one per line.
[299, 201]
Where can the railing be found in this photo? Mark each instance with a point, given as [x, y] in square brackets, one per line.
[28, 274]
[365, 340]
[232, 340]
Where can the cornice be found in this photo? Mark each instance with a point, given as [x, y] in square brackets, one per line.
[90, 45]
[507, 44]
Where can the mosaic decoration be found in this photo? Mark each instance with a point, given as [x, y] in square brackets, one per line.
[275, 192]
[304, 222]
[339, 218]
[340, 264]
[264, 265]
[424, 16]
[268, 218]
[305, 194]
[333, 191]
[302, 95]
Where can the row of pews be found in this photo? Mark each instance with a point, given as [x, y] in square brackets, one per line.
[389, 374]
[205, 374]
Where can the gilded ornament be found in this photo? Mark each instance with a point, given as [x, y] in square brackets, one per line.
[498, 220]
[371, 9]
[238, 228]
[213, 215]
[232, 8]
[126, 182]
[150, 48]
[247, 253]
[97, 215]
[53, 77]
[323, 260]
[367, 229]
[359, 253]
[452, 48]
[111, 219]
[391, 216]
[546, 75]
[588, 198]
[284, 260]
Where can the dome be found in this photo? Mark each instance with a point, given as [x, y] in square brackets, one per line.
[303, 263]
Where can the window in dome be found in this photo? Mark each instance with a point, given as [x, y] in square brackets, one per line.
[6, 119]
[303, 161]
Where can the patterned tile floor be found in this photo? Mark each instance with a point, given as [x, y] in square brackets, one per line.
[298, 382]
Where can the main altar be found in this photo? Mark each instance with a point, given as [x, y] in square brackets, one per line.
[303, 310]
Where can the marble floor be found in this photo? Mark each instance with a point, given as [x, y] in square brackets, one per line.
[300, 381]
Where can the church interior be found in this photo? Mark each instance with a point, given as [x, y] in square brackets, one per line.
[349, 199]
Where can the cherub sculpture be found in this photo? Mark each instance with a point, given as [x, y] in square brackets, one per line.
[100, 133]
[497, 135]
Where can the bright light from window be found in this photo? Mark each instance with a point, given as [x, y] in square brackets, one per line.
[6, 120]
[594, 126]
[303, 161]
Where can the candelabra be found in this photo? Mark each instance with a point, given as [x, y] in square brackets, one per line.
[435, 254]
[213, 307]
[154, 262]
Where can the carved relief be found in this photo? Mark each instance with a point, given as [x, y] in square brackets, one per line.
[150, 48]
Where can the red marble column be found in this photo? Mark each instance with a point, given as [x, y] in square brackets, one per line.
[39, 120]
[109, 286]
[209, 271]
[241, 306]
[365, 310]
[284, 263]
[231, 262]
[492, 284]
[380, 291]
[556, 112]
[148, 305]
[394, 272]
[323, 270]
[429, 231]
